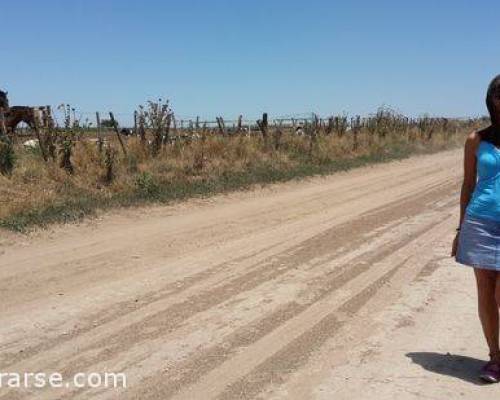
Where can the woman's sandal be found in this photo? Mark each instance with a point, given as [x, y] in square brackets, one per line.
[490, 372]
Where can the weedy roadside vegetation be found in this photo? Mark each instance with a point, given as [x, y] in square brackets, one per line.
[77, 169]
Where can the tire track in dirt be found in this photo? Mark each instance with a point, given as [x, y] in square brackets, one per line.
[248, 334]
[396, 306]
[253, 275]
[304, 339]
[113, 312]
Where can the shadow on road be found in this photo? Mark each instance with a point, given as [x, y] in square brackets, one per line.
[461, 367]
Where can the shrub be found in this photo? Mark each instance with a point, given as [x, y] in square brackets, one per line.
[109, 162]
[146, 185]
[7, 156]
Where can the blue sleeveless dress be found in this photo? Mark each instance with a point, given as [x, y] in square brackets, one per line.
[479, 237]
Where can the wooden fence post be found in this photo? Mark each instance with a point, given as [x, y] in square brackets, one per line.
[166, 128]
[135, 123]
[240, 120]
[355, 129]
[221, 125]
[98, 122]
[38, 135]
[142, 129]
[263, 124]
[115, 126]
[98, 133]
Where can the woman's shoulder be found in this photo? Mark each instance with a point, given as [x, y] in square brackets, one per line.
[478, 137]
[473, 140]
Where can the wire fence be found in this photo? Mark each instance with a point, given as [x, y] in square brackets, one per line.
[67, 116]
[126, 119]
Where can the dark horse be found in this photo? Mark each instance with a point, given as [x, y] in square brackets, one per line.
[15, 115]
[18, 114]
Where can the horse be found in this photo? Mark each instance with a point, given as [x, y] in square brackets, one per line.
[18, 114]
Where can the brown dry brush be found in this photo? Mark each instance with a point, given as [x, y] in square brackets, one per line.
[355, 129]
[109, 163]
[208, 155]
[7, 155]
[329, 126]
[312, 131]
[278, 134]
[340, 125]
[140, 120]
[50, 133]
[199, 157]
[157, 117]
[371, 127]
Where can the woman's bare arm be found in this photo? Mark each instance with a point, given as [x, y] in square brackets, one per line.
[469, 182]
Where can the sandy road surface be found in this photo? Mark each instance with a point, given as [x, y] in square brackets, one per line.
[327, 287]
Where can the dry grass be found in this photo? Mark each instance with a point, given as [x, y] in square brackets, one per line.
[39, 192]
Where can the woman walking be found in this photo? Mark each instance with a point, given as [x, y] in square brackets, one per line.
[477, 243]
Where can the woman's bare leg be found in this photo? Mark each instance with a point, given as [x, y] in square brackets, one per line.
[488, 292]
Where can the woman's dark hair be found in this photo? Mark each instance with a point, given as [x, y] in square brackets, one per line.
[493, 89]
[492, 133]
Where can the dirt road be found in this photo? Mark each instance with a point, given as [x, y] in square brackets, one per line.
[333, 287]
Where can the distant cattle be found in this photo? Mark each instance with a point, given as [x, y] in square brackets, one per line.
[299, 130]
[96, 140]
[31, 144]
[126, 131]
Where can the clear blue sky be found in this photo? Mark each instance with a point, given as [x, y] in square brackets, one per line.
[230, 57]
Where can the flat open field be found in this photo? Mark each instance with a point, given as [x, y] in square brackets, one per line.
[335, 287]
